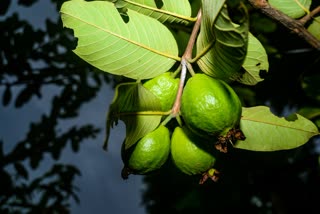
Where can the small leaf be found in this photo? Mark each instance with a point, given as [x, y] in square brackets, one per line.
[266, 132]
[171, 11]
[139, 48]
[314, 27]
[293, 8]
[256, 62]
[128, 105]
[221, 44]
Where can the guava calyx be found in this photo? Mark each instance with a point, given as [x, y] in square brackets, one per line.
[212, 173]
[232, 136]
[125, 172]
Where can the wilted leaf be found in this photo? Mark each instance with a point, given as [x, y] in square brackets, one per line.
[221, 43]
[131, 99]
[314, 27]
[256, 62]
[293, 8]
[142, 48]
[266, 132]
[164, 11]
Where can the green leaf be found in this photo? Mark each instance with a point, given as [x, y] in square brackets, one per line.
[171, 11]
[293, 8]
[256, 62]
[266, 132]
[137, 107]
[142, 48]
[221, 44]
[314, 27]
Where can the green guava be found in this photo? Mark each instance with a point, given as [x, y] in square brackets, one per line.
[210, 106]
[165, 88]
[190, 153]
[148, 154]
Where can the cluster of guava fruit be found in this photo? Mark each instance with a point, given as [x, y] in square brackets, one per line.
[210, 112]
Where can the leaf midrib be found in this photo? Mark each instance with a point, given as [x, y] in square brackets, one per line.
[176, 58]
[273, 124]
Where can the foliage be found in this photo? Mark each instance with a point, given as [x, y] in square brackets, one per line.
[110, 38]
[267, 66]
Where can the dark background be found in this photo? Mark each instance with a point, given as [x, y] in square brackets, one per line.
[52, 121]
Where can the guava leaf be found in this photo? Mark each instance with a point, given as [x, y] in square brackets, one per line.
[171, 11]
[265, 131]
[128, 105]
[293, 8]
[221, 43]
[140, 48]
[314, 27]
[256, 62]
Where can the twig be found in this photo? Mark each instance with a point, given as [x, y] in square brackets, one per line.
[184, 63]
[310, 15]
[295, 26]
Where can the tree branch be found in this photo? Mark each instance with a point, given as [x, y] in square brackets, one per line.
[295, 26]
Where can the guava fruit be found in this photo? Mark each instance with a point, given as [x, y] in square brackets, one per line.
[148, 154]
[165, 88]
[209, 106]
[190, 153]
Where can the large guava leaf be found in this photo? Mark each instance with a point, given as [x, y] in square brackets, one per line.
[256, 62]
[162, 10]
[140, 48]
[293, 8]
[265, 131]
[222, 44]
[130, 100]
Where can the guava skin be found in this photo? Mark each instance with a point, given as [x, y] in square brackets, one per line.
[191, 154]
[165, 88]
[210, 106]
[148, 154]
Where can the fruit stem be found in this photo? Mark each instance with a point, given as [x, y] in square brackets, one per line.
[177, 102]
[192, 40]
[185, 65]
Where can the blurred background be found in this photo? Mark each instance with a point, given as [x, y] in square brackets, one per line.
[52, 127]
